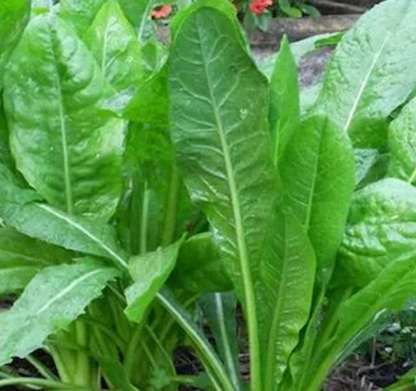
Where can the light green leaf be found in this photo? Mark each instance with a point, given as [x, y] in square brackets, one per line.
[390, 291]
[51, 301]
[79, 13]
[114, 45]
[22, 257]
[287, 276]
[14, 15]
[381, 226]
[284, 113]
[371, 72]
[220, 310]
[66, 148]
[222, 141]
[150, 271]
[200, 268]
[317, 172]
[402, 145]
[43, 222]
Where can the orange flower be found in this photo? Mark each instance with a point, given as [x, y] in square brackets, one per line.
[162, 11]
[259, 6]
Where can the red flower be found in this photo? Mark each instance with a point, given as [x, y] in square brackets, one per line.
[259, 6]
[162, 11]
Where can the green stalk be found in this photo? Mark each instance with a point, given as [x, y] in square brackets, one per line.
[41, 368]
[144, 219]
[208, 356]
[132, 349]
[171, 209]
[82, 376]
[44, 383]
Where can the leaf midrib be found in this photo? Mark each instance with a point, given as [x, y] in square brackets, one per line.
[250, 301]
[63, 132]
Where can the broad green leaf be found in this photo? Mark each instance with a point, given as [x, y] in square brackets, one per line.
[114, 45]
[150, 271]
[22, 257]
[317, 172]
[371, 72]
[220, 310]
[390, 291]
[284, 113]
[79, 13]
[48, 224]
[200, 268]
[14, 15]
[66, 148]
[51, 301]
[223, 146]
[53, 226]
[402, 145]
[287, 277]
[381, 226]
[226, 8]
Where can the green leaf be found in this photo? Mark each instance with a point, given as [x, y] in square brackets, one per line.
[390, 291]
[43, 222]
[287, 277]
[402, 145]
[220, 310]
[371, 72]
[222, 141]
[381, 226]
[114, 45]
[14, 15]
[200, 268]
[66, 148]
[284, 113]
[22, 257]
[213, 365]
[79, 13]
[51, 301]
[150, 271]
[317, 172]
[5, 154]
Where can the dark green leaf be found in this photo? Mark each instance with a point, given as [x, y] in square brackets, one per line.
[381, 226]
[14, 15]
[200, 268]
[67, 149]
[222, 141]
[22, 257]
[287, 277]
[284, 114]
[317, 172]
[51, 301]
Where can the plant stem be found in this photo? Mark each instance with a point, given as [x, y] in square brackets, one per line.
[41, 368]
[144, 219]
[35, 381]
[171, 209]
[132, 348]
[82, 374]
[212, 363]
